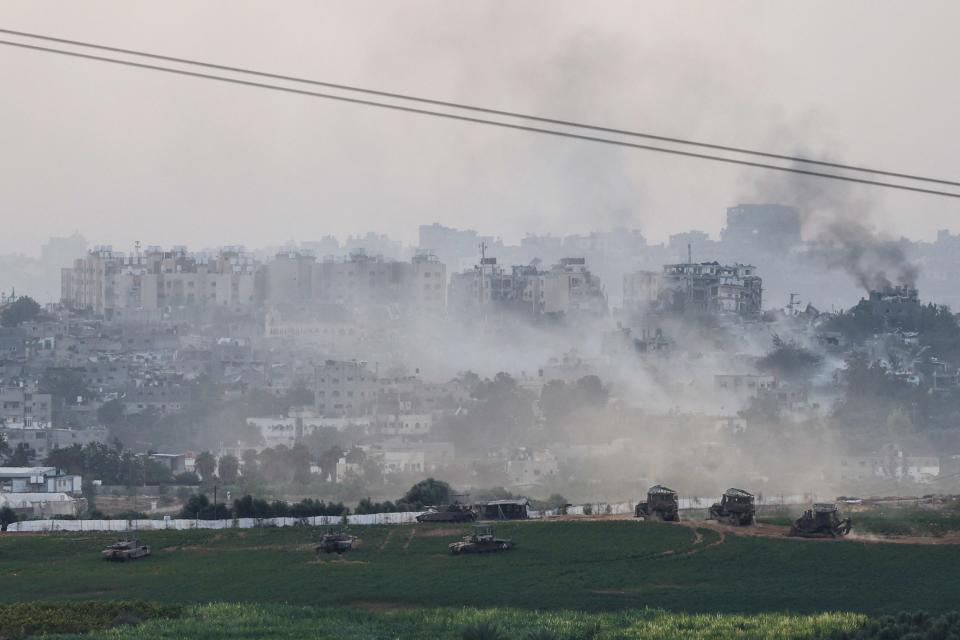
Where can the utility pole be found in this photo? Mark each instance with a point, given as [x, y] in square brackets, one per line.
[483, 259]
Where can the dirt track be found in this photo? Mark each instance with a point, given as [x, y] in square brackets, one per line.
[777, 531]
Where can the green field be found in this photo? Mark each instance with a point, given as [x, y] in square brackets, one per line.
[565, 580]
[888, 521]
[585, 566]
[232, 621]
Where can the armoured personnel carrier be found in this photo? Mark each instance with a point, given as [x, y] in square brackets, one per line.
[736, 507]
[448, 513]
[335, 541]
[662, 504]
[480, 540]
[823, 520]
[123, 550]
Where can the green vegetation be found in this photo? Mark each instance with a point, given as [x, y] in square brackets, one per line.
[25, 619]
[909, 626]
[889, 521]
[21, 310]
[587, 566]
[246, 621]
[907, 522]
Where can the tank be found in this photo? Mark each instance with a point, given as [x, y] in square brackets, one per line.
[735, 507]
[123, 550]
[661, 504]
[335, 541]
[480, 540]
[448, 513]
[823, 520]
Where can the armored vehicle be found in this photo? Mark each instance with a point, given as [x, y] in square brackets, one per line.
[335, 541]
[823, 520]
[448, 513]
[480, 540]
[735, 507]
[123, 550]
[661, 504]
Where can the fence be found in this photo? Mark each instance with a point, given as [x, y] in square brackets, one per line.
[182, 524]
[406, 517]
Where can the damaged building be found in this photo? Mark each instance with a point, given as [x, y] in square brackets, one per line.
[696, 288]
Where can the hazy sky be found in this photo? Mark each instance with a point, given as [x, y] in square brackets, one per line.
[122, 154]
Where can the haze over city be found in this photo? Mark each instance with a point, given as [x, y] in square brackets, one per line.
[122, 154]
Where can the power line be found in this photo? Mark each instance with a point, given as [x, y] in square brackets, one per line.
[471, 119]
[487, 110]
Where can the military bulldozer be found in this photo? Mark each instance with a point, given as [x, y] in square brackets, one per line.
[735, 507]
[448, 513]
[123, 550]
[335, 541]
[480, 540]
[823, 520]
[661, 504]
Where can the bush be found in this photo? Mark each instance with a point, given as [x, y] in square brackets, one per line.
[543, 634]
[484, 630]
[24, 619]
[250, 507]
[187, 478]
[917, 625]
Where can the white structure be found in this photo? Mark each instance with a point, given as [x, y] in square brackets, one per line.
[404, 424]
[37, 480]
[744, 384]
[538, 468]
[291, 430]
[890, 464]
[399, 457]
[41, 505]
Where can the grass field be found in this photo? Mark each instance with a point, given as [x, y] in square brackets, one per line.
[890, 521]
[232, 621]
[587, 566]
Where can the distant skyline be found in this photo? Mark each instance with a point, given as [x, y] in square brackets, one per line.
[122, 155]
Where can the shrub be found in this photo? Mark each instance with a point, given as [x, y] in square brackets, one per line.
[483, 630]
[919, 625]
[24, 619]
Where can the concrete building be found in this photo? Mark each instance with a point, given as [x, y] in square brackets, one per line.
[38, 480]
[159, 398]
[403, 424]
[332, 329]
[289, 278]
[144, 285]
[289, 431]
[889, 464]
[744, 384]
[533, 468]
[429, 284]
[899, 306]
[402, 457]
[769, 228]
[43, 439]
[567, 288]
[344, 388]
[24, 406]
[710, 288]
[641, 290]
